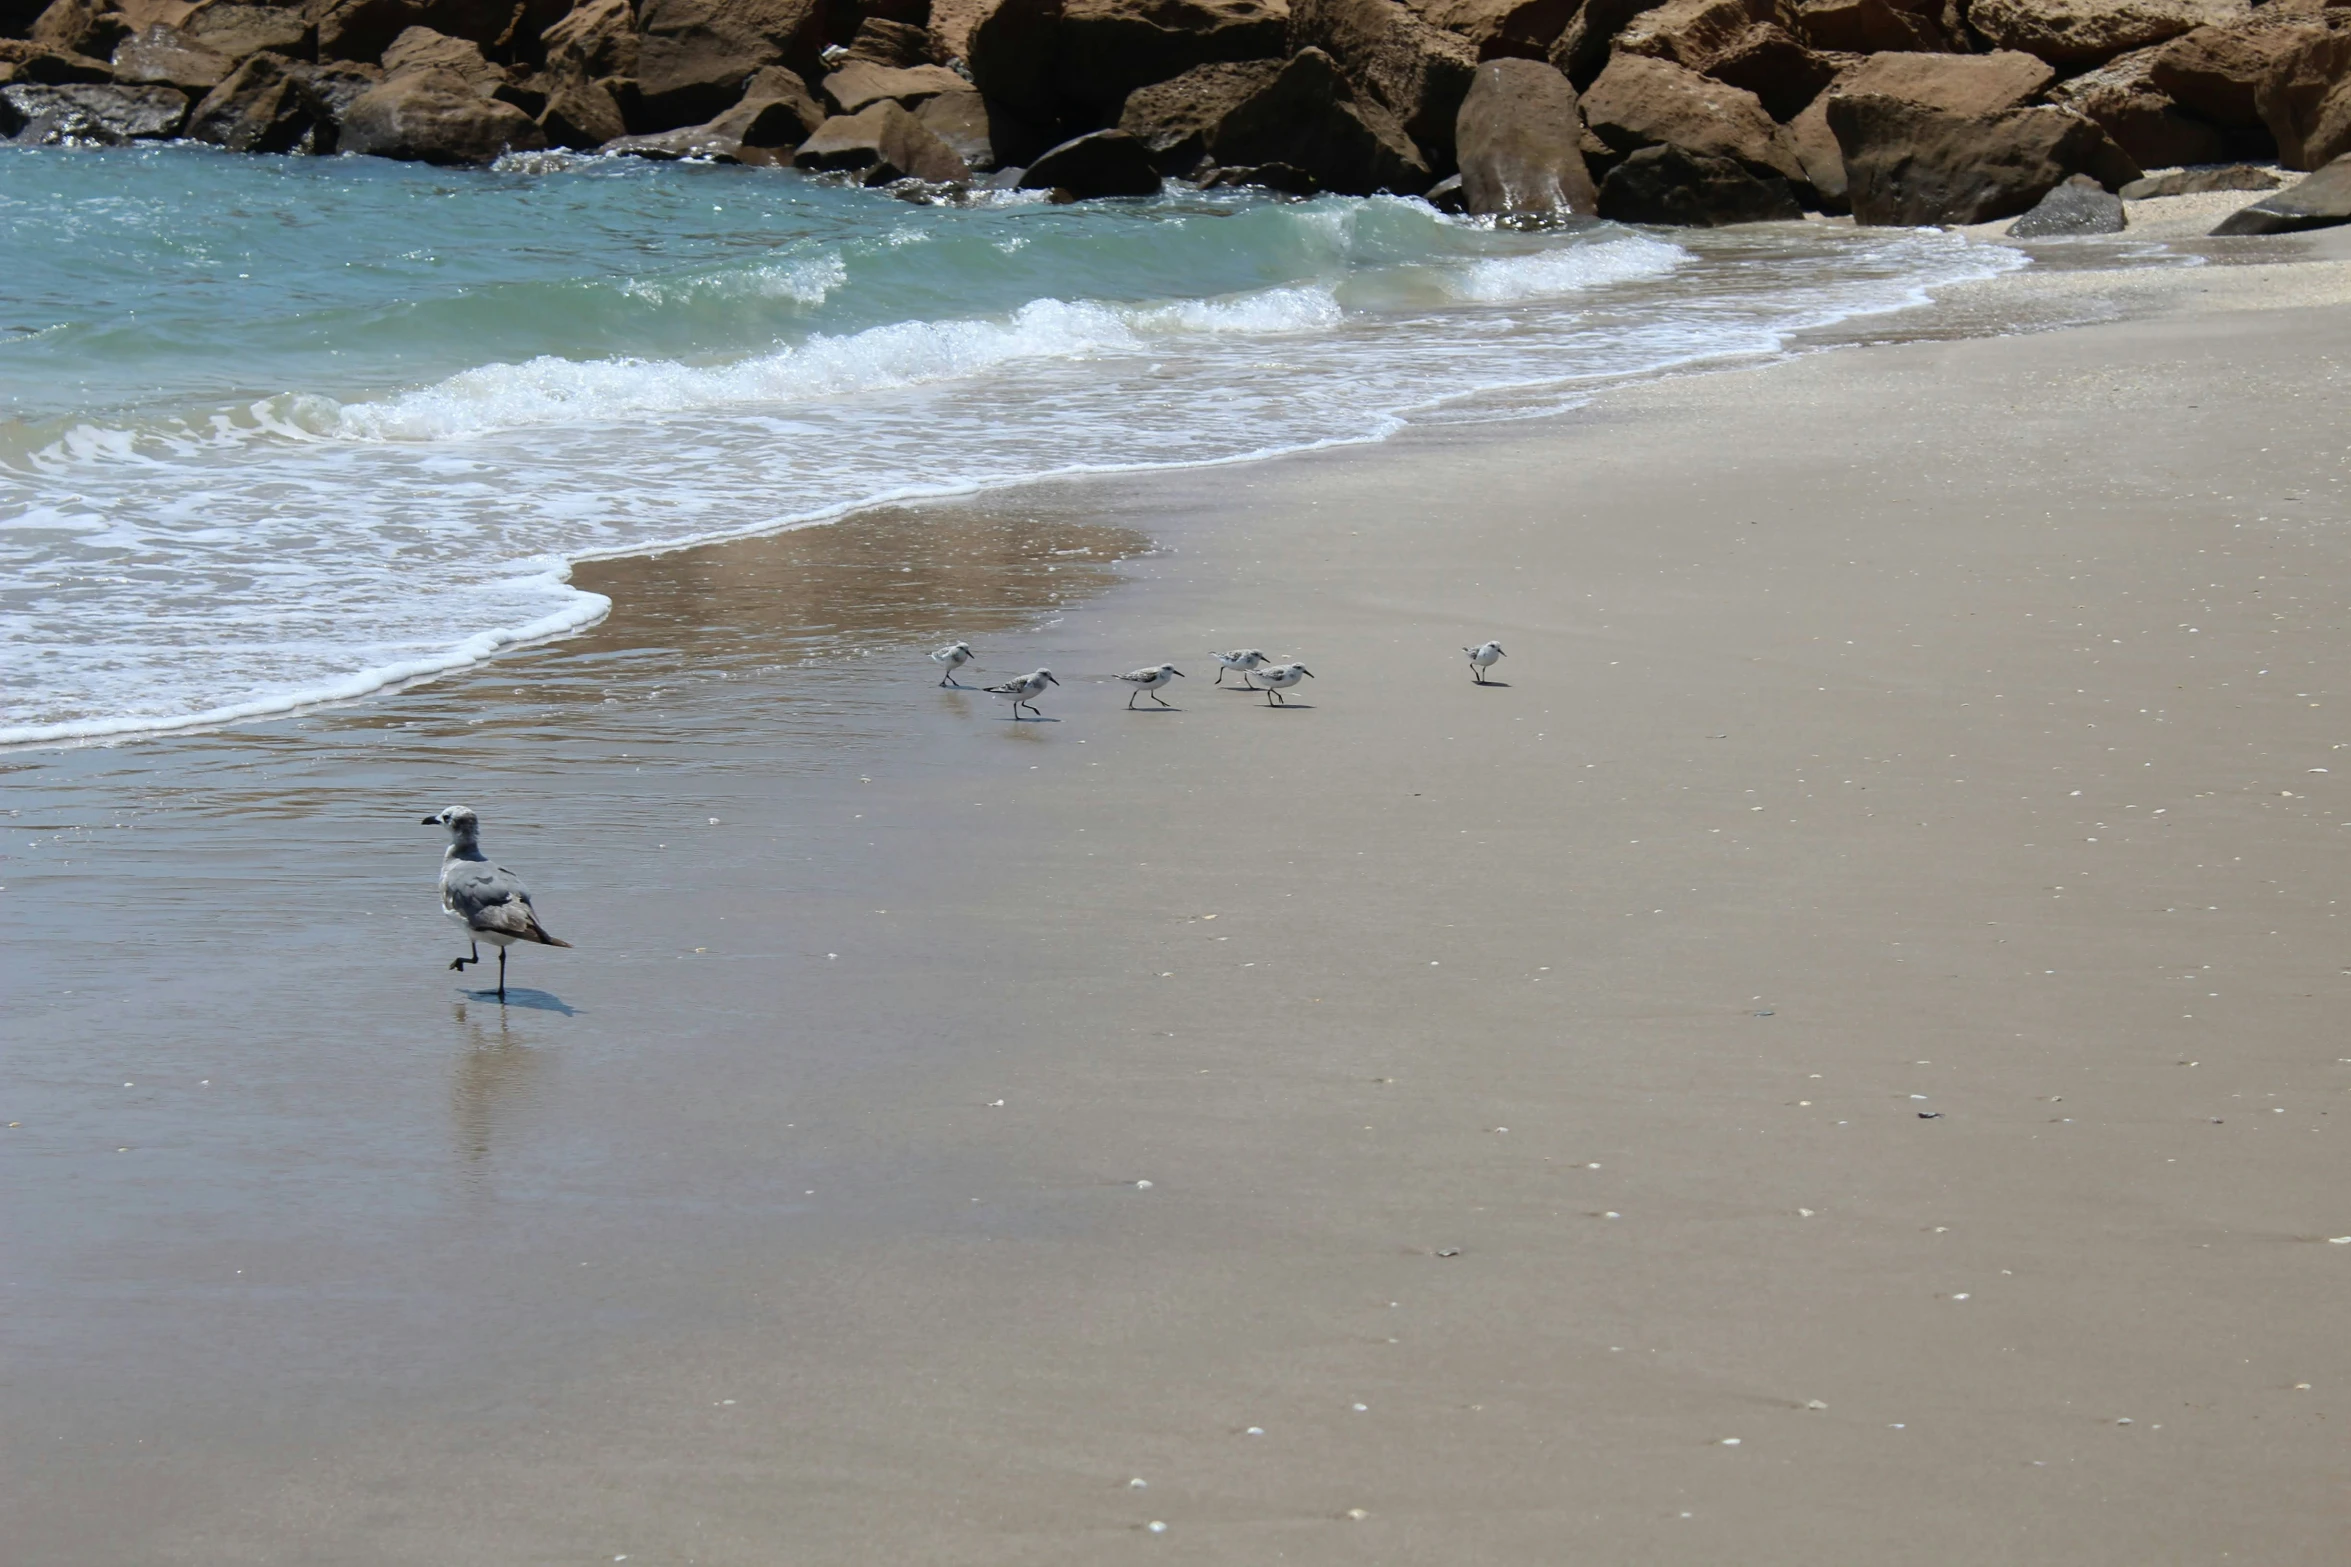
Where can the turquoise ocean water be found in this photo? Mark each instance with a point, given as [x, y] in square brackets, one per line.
[276, 431]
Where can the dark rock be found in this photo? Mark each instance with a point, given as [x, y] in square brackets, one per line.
[1955, 83]
[267, 104]
[1173, 118]
[1100, 163]
[1907, 164]
[582, 114]
[1008, 46]
[34, 65]
[234, 31]
[1310, 118]
[2079, 206]
[1781, 70]
[1644, 102]
[2321, 201]
[1285, 179]
[1502, 29]
[880, 144]
[89, 113]
[1518, 140]
[162, 57]
[693, 56]
[435, 117]
[598, 39]
[82, 27]
[339, 84]
[861, 82]
[2215, 71]
[1417, 73]
[1870, 26]
[361, 30]
[960, 119]
[2197, 182]
[423, 49]
[1582, 49]
[2122, 99]
[2306, 102]
[1105, 49]
[1446, 195]
[2082, 33]
[1670, 185]
[887, 42]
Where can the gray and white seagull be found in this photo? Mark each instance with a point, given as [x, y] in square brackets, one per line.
[489, 900]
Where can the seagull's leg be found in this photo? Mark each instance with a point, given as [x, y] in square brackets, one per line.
[501, 973]
[459, 964]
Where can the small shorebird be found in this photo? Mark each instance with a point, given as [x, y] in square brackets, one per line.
[489, 900]
[1150, 680]
[1482, 658]
[1242, 660]
[1280, 679]
[953, 656]
[1024, 691]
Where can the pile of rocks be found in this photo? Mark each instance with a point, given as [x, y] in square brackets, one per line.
[1690, 111]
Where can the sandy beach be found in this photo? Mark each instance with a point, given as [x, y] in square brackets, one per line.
[1832, 1059]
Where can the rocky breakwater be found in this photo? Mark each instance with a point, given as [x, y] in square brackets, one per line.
[1690, 111]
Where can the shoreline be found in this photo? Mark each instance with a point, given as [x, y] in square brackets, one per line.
[1492, 1113]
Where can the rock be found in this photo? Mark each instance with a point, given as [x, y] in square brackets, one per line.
[1817, 153]
[2321, 201]
[1742, 42]
[1310, 119]
[1100, 163]
[81, 27]
[598, 39]
[1009, 49]
[581, 114]
[360, 30]
[1908, 164]
[1446, 195]
[861, 82]
[2078, 206]
[162, 57]
[686, 141]
[2081, 33]
[887, 42]
[1502, 29]
[881, 143]
[1643, 102]
[267, 104]
[432, 116]
[423, 49]
[1671, 185]
[2214, 72]
[1282, 178]
[960, 119]
[1872, 26]
[1582, 49]
[21, 61]
[1956, 83]
[339, 84]
[90, 113]
[693, 56]
[234, 31]
[2197, 182]
[2306, 102]
[1419, 74]
[1173, 118]
[1105, 49]
[1518, 141]
[1782, 71]
[2122, 99]
[776, 111]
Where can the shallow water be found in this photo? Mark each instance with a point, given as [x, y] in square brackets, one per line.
[282, 430]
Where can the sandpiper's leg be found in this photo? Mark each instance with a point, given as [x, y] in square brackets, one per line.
[1162, 701]
[1131, 695]
[1220, 674]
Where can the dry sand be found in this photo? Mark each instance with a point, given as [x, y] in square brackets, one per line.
[1830, 1062]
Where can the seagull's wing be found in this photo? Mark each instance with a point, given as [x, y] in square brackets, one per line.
[492, 898]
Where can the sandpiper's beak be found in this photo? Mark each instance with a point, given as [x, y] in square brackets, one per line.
[1049, 680]
[1179, 674]
[1308, 673]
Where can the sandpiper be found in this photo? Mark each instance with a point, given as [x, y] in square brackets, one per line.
[1024, 691]
[489, 900]
[1150, 680]
[1280, 679]
[1241, 660]
[952, 657]
[1482, 658]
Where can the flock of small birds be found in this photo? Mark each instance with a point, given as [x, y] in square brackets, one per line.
[491, 903]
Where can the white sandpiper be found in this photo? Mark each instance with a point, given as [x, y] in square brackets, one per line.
[1482, 658]
[953, 657]
[1024, 691]
[489, 900]
[1280, 679]
[1150, 680]
[1242, 660]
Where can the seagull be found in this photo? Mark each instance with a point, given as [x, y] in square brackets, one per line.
[1243, 659]
[1150, 680]
[1482, 658]
[953, 656]
[1024, 691]
[1280, 679]
[489, 900]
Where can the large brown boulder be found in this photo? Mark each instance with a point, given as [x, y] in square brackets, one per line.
[880, 144]
[2214, 72]
[1581, 50]
[1780, 69]
[423, 49]
[89, 113]
[860, 82]
[362, 29]
[1009, 48]
[1500, 29]
[163, 57]
[1691, 190]
[1818, 155]
[233, 29]
[1746, 43]
[266, 105]
[2079, 33]
[1105, 49]
[34, 64]
[597, 39]
[886, 41]
[2122, 99]
[78, 27]
[435, 117]
[1418, 73]
[2321, 201]
[1874, 26]
[1099, 163]
[1907, 164]
[1644, 102]
[1310, 119]
[1518, 141]
[1173, 118]
[961, 120]
[1958, 83]
[2306, 103]
[581, 114]
[693, 56]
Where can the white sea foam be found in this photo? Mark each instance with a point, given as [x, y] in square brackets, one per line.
[1548, 274]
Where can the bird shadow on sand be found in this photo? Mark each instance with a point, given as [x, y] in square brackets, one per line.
[522, 996]
[1033, 720]
[1140, 712]
[1492, 685]
[1289, 707]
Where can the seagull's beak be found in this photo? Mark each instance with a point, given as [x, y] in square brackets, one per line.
[430, 821]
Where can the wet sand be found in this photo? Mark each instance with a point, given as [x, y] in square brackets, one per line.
[1862, 986]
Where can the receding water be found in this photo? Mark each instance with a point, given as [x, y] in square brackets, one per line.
[280, 431]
